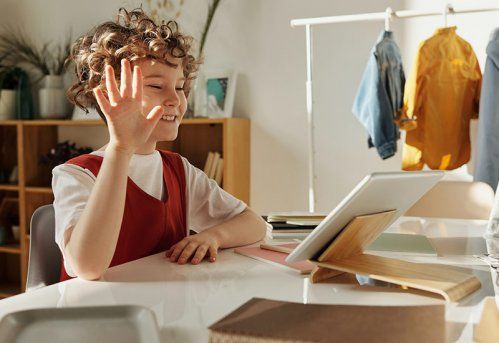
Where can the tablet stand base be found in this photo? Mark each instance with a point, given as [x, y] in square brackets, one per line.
[346, 254]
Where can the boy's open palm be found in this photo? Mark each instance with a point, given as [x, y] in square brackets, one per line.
[129, 127]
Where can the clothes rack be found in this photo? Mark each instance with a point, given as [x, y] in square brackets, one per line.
[386, 16]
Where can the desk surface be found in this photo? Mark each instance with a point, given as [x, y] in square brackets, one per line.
[187, 299]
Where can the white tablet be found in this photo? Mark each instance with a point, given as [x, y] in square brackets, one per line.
[376, 193]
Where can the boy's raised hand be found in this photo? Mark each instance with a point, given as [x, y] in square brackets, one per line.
[129, 127]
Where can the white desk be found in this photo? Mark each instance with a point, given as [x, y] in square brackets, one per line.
[187, 299]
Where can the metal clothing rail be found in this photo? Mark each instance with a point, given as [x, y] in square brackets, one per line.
[387, 16]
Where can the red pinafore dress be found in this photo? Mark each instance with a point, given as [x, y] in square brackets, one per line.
[149, 225]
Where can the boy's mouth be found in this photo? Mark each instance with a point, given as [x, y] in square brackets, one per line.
[168, 117]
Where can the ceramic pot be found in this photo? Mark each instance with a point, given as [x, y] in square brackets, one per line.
[53, 103]
[7, 104]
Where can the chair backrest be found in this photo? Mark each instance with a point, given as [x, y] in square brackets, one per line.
[44, 255]
[455, 199]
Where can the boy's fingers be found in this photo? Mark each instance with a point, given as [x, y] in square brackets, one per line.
[213, 253]
[112, 88]
[126, 79]
[178, 249]
[169, 252]
[200, 254]
[155, 115]
[137, 83]
[103, 103]
[187, 252]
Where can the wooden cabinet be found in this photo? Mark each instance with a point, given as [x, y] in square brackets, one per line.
[22, 143]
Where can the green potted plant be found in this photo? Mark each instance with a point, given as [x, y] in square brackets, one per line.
[19, 49]
[15, 94]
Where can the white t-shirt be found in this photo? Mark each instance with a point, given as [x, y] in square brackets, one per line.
[207, 203]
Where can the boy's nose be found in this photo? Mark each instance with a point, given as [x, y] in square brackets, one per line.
[171, 99]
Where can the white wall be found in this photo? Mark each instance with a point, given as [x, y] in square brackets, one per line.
[254, 37]
[272, 94]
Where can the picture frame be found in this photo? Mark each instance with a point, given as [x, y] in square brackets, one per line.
[219, 90]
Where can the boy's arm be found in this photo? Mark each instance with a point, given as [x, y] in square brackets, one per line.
[90, 245]
[243, 229]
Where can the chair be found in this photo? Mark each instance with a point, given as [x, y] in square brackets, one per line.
[44, 254]
[455, 199]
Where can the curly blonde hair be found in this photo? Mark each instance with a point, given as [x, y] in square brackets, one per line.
[134, 35]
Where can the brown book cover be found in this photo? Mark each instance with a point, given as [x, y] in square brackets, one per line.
[263, 320]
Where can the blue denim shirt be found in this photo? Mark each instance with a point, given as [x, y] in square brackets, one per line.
[487, 162]
[380, 95]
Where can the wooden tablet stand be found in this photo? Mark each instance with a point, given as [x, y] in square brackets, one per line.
[346, 254]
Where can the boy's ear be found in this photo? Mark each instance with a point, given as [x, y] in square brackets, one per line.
[187, 87]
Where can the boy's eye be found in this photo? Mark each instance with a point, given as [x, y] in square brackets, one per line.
[155, 86]
[180, 88]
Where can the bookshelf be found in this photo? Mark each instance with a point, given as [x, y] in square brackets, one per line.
[23, 142]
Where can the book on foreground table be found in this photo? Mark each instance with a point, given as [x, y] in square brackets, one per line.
[262, 320]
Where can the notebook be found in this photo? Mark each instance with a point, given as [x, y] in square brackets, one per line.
[284, 216]
[262, 320]
[275, 258]
[403, 244]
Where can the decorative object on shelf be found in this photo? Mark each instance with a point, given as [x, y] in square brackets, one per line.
[198, 88]
[5, 174]
[4, 235]
[15, 233]
[52, 96]
[9, 217]
[20, 49]
[7, 92]
[216, 94]
[15, 93]
[14, 175]
[79, 114]
[63, 152]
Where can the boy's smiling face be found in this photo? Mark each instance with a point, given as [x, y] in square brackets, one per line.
[163, 85]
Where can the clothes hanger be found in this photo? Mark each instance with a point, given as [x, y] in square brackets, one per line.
[388, 18]
[448, 9]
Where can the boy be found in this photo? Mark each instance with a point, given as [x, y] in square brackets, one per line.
[128, 200]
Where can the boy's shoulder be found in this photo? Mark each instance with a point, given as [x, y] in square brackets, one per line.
[90, 161]
[170, 154]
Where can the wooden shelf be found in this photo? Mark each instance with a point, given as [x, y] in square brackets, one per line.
[9, 122]
[43, 190]
[5, 187]
[68, 122]
[62, 122]
[8, 289]
[10, 248]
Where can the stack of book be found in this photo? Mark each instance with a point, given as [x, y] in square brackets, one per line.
[293, 224]
[214, 166]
